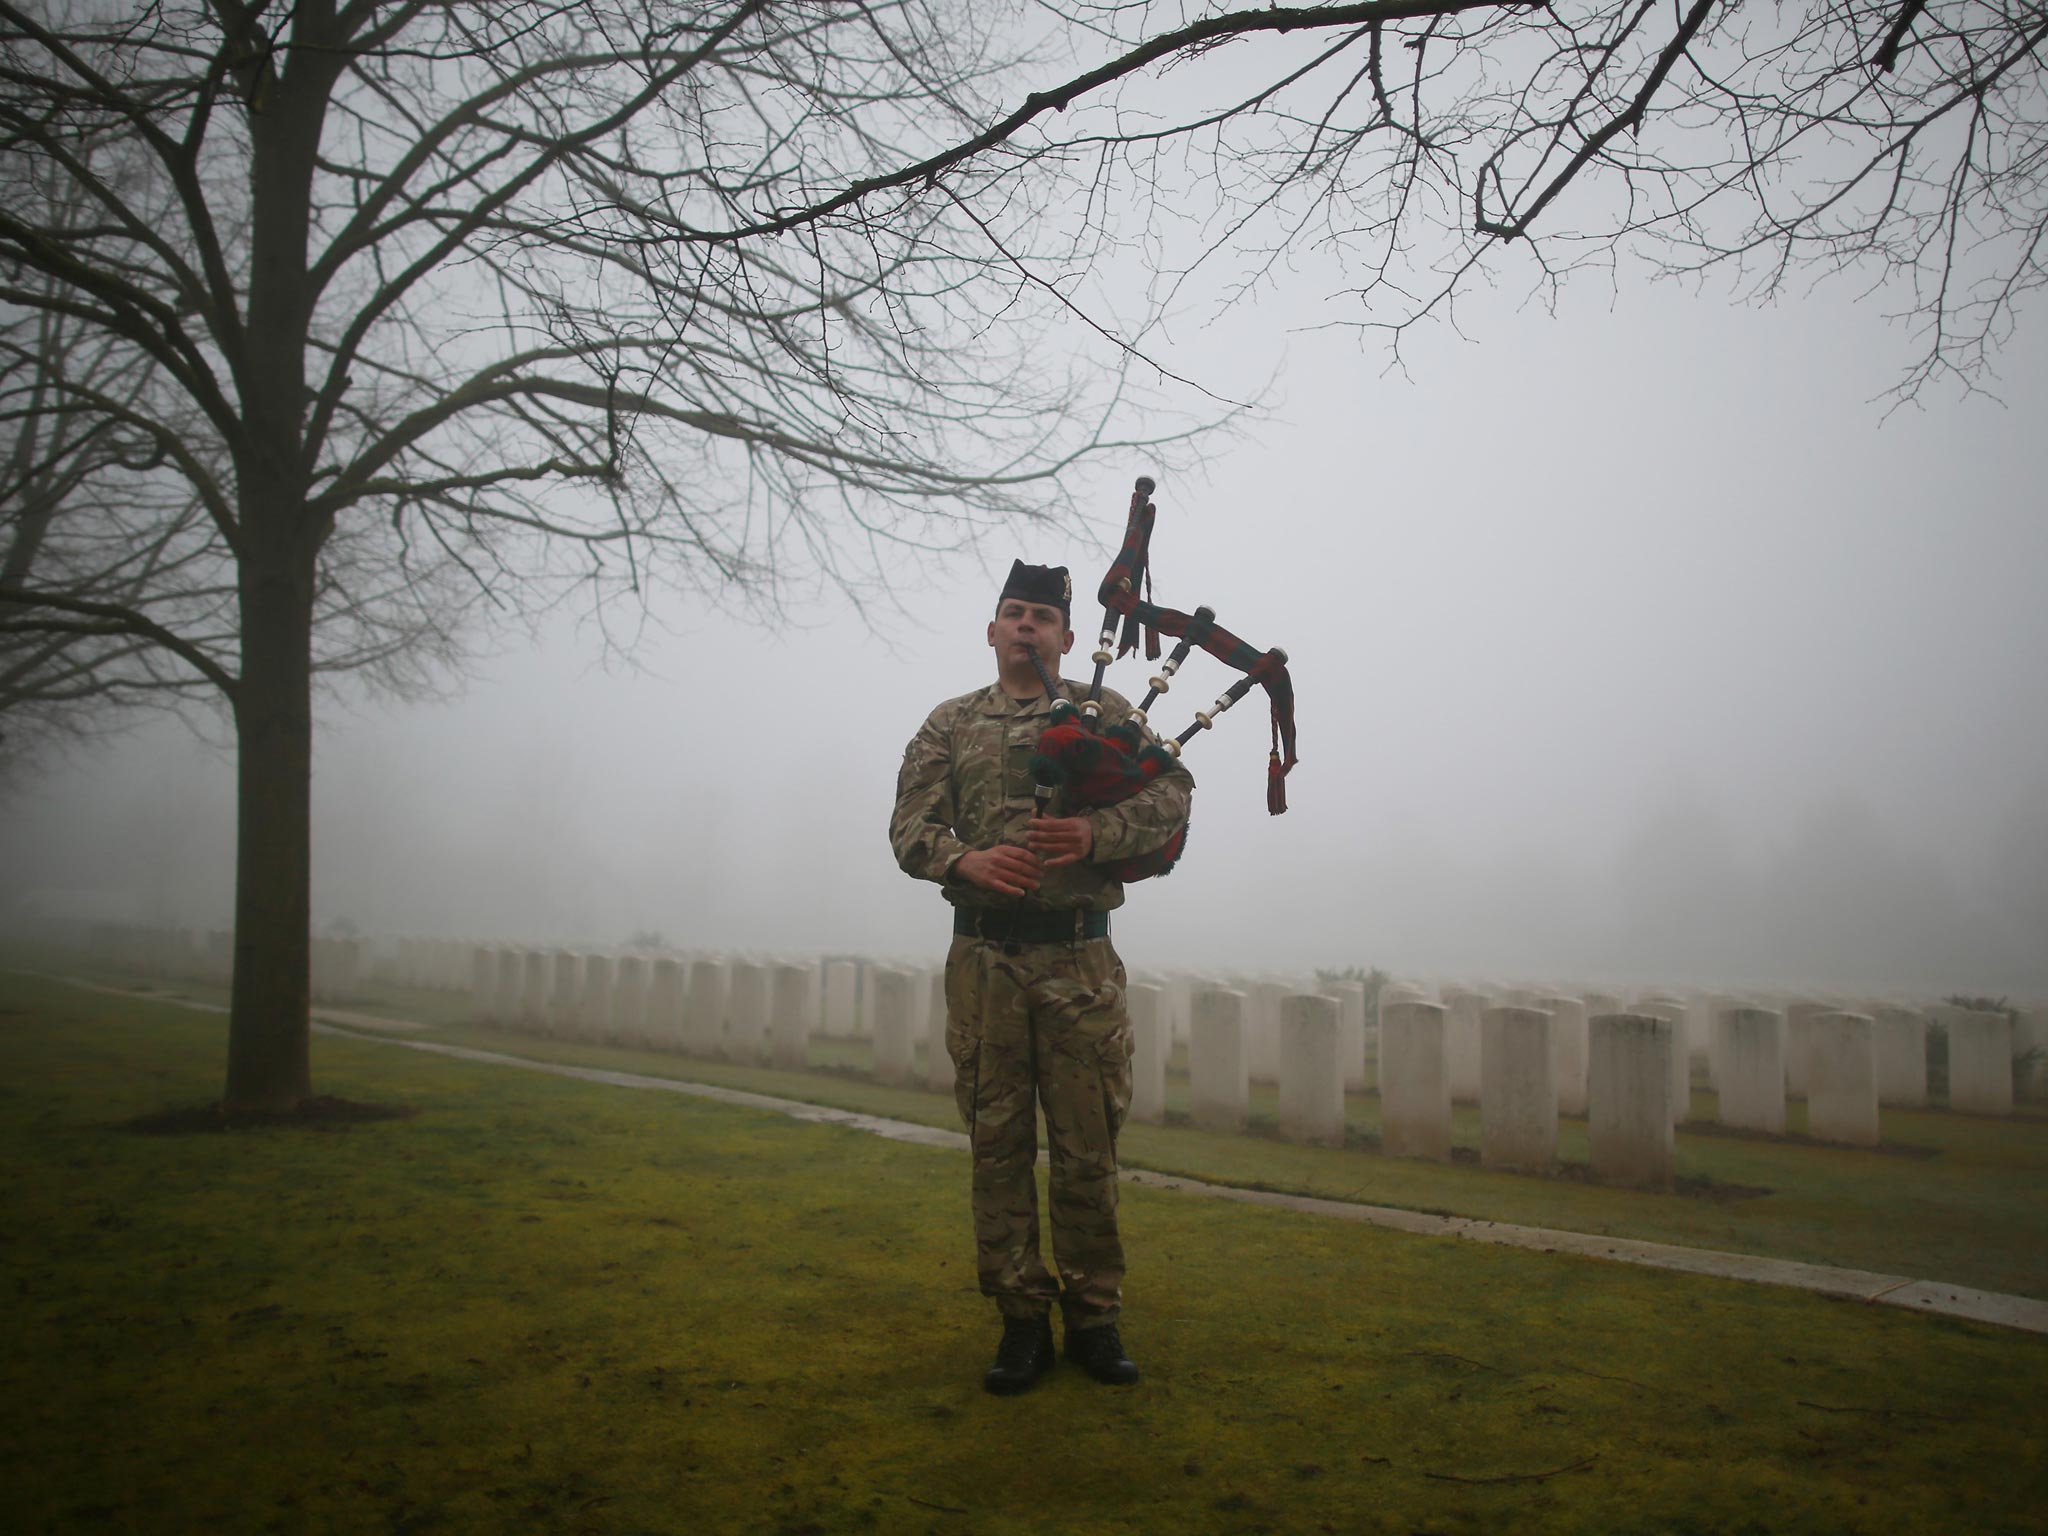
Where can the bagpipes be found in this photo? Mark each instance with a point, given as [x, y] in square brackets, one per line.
[1090, 764]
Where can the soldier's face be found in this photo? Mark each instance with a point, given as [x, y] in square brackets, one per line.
[1021, 629]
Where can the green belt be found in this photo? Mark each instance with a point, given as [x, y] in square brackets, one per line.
[1011, 927]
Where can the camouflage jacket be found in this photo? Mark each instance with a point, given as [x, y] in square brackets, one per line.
[966, 783]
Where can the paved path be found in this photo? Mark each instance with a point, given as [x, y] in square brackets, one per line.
[1936, 1296]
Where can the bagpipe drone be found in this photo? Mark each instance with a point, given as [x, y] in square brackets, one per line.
[1088, 764]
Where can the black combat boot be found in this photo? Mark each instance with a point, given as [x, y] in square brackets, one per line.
[1100, 1352]
[1025, 1354]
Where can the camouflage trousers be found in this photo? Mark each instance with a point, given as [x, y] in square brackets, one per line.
[1042, 1026]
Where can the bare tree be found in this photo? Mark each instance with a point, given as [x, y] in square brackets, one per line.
[60, 673]
[132, 584]
[1423, 144]
[399, 288]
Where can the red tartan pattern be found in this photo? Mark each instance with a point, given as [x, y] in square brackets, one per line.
[1097, 767]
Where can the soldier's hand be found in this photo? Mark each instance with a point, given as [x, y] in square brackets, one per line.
[1005, 868]
[1061, 839]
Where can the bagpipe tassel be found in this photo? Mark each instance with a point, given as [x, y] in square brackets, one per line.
[1276, 770]
[1276, 786]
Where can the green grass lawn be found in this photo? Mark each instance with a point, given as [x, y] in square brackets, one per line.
[543, 1305]
[1950, 1197]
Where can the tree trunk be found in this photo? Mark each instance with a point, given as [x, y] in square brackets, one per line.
[269, 1066]
[269, 1023]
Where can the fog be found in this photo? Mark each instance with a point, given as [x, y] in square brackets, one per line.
[1637, 643]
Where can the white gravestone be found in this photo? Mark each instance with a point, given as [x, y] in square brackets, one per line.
[1311, 1070]
[483, 985]
[746, 1012]
[1979, 1062]
[1180, 991]
[1147, 1005]
[704, 1008]
[1415, 1085]
[842, 981]
[1461, 1042]
[891, 1016]
[864, 999]
[536, 981]
[1567, 1051]
[1749, 1044]
[1217, 1077]
[1699, 1031]
[1628, 1098]
[1718, 1003]
[1672, 1012]
[565, 973]
[629, 1000]
[789, 1016]
[1899, 1037]
[662, 1021]
[1799, 1043]
[1841, 1090]
[1351, 1033]
[1262, 1030]
[594, 999]
[511, 989]
[1517, 1090]
[447, 962]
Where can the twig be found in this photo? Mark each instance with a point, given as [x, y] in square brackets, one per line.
[944, 1509]
[1899, 1413]
[1514, 1477]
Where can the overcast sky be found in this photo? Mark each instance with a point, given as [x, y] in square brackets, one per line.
[1635, 643]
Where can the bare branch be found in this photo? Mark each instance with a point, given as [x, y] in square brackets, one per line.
[113, 619]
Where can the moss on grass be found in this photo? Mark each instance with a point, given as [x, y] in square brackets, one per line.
[542, 1305]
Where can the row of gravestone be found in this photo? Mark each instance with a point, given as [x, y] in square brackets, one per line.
[1989, 1052]
[1631, 1103]
[337, 966]
[1635, 1062]
[1463, 1045]
[1768, 1054]
[341, 965]
[757, 1013]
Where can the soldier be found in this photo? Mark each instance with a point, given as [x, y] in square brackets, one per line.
[1034, 992]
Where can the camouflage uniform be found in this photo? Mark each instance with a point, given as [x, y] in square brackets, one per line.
[1030, 1020]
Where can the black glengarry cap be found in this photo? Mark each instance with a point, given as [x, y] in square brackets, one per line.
[1048, 584]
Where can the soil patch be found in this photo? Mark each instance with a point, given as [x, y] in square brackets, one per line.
[322, 1112]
